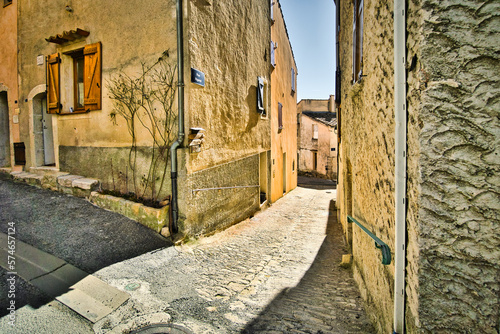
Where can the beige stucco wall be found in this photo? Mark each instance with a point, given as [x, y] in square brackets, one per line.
[228, 41]
[284, 141]
[8, 79]
[131, 34]
[367, 155]
[453, 255]
[453, 168]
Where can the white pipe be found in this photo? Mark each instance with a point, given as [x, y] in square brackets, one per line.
[400, 143]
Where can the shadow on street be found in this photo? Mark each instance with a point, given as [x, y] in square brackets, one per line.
[315, 183]
[326, 300]
[69, 228]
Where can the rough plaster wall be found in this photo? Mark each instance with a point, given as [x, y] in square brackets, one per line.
[204, 212]
[285, 140]
[414, 180]
[228, 41]
[459, 200]
[368, 154]
[8, 79]
[131, 35]
[110, 165]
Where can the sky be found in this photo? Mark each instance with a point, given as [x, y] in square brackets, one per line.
[311, 29]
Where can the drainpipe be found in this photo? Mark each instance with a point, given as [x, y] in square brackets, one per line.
[400, 167]
[180, 135]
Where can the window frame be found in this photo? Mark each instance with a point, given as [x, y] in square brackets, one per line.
[315, 131]
[357, 48]
[78, 55]
[280, 116]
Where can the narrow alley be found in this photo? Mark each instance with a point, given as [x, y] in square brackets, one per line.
[277, 272]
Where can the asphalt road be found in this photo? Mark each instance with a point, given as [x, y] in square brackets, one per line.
[69, 228]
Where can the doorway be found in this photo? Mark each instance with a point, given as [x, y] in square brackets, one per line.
[284, 173]
[263, 177]
[44, 138]
[4, 131]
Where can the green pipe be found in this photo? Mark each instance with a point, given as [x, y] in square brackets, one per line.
[386, 251]
[180, 118]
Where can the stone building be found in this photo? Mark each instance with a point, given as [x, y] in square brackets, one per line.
[418, 100]
[99, 97]
[9, 125]
[283, 108]
[317, 138]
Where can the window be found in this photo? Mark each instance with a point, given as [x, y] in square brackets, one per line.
[86, 81]
[315, 131]
[272, 11]
[6, 2]
[315, 160]
[357, 52]
[78, 64]
[280, 117]
[260, 96]
[293, 80]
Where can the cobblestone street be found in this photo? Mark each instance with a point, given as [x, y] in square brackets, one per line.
[277, 272]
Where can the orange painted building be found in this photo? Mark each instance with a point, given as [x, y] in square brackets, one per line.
[283, 108]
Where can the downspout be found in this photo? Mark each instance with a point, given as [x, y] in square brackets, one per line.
[180, 135]
[400, 109]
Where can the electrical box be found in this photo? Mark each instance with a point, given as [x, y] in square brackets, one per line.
[196, 138]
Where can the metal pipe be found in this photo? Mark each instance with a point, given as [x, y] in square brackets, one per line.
[180, 117]
[220, 188]
[384, 248]
[400, 109]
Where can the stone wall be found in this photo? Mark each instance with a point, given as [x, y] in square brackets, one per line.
[454, 211]
[227, 194]
[112, 167]
[453, 270]
[367, 154]
[321, 146]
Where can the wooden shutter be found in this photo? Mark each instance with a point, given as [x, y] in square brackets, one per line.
[354, 46]
[92, 76]
[53, 84]
[280, 116]
[273, 60]
[272, 11]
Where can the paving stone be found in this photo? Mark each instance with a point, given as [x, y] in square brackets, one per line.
[275, 273]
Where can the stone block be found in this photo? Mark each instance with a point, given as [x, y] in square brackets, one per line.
[67, 180]
[86, 184]
[152, 218]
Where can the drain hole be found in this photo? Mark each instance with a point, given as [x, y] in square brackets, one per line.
[162, 328]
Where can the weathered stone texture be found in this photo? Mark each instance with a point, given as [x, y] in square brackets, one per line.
[206, 211]
[110, 165]
[228, 41]
[457, 127]
[367, 155]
